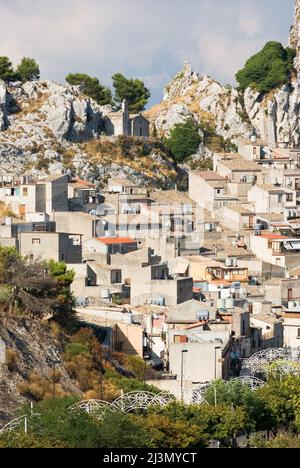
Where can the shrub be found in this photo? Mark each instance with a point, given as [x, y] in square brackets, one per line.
[11, 357]
[268, 69]
[184, 140]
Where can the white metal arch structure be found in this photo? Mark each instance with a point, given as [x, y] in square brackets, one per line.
[198, 394]
[141, 400]
[16, 423]
[96, 407]
[251, 382]
[124, 404]
[257, 363]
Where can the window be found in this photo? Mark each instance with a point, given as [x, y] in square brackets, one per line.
[119, 347]
[36, 241]
[62, 257]
[299, 333]
[270, 244]
[289, 197]
[25, 192]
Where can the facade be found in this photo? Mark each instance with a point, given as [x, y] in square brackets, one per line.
[60, 247]
[124, 123]
[29, 196]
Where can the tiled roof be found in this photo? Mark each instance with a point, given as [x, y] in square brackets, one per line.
[116, 240]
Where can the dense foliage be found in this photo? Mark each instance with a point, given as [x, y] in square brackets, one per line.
[91, 87]
[268, 69]
[34, 288]
[28, 70]
[184, 140]
[234, 410]
[133, 90]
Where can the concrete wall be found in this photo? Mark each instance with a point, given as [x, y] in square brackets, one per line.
[79, 223]
[58, 247]
[291, 327]
[202, 363]
[201, 192]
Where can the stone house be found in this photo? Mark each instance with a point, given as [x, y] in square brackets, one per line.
[58, 246]
[209, 190]
[271, 199]
[124, 123]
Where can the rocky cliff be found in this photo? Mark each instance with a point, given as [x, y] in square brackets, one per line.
[44, 127]
[31, 348]
[274, 117]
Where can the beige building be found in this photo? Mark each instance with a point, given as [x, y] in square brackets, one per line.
[292, 328]
[209, 190]
[271, 199]
[203, 268]
[43, 196]
[153, 285]
[277, 250]
[60, 247]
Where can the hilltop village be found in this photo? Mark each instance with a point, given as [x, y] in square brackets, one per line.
[213, 272]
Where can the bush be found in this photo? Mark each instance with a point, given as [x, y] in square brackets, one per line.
[11, 357]
[91, 87]
[28, 70]
[184, 140]
[269, 69]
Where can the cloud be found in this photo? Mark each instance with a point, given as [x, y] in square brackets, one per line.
[142, 38]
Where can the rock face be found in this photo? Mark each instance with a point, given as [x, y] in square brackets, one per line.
[33, 347]
[190, 95]
[3, 117]
[44, 126]
[274, 117]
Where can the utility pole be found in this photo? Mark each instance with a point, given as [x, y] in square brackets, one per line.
[183, 352]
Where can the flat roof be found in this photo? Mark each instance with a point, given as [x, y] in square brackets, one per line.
[209, 176]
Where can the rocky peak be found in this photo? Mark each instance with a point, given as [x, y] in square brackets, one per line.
[294, 38]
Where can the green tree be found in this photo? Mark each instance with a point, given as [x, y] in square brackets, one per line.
[282, 400]
[64, 312]
[91, 87]
[28, 283]
[165, 433]
[7, 72]
[268, 69]
[220, 423]
[133, 90]
[16, 439]
[75, 429]
[184, 140]
[235, 393]
[28, 70]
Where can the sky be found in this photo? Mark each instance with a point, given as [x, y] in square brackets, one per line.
[146, 39]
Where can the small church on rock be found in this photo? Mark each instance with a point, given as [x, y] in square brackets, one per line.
[124, 123]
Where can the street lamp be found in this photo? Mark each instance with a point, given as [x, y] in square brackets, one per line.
[183, 352]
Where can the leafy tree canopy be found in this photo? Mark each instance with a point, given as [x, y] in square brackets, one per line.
[7, 72]
[91, 87]
[268, 69]
[28, 70]
[184, 140]
[133, 90]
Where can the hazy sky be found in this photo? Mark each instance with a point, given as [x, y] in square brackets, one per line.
[148, 39]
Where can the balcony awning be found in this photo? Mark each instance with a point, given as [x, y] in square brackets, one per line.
[292, 245]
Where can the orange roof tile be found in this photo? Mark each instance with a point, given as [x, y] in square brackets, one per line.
[273, 236]
[116, 240]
